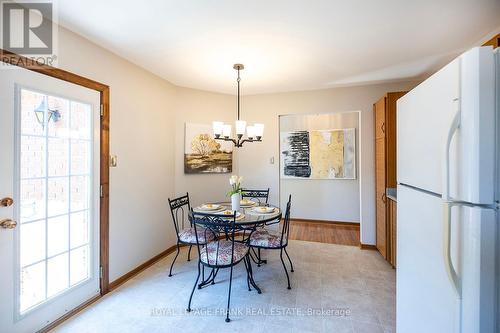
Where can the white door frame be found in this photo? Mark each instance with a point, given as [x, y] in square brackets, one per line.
[103, 89]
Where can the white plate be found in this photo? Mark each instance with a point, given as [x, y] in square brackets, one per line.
[228, 213]
[210, 207]
[247, 203]
[263, 210]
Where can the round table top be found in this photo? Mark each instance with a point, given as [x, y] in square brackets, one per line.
[250, 217]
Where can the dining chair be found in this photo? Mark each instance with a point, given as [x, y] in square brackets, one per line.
[264, 238]
[262, 197]
[222, 252]
[180, 208]
[255, 194]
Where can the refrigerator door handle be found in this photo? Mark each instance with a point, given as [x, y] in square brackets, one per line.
[452, 274]
[455, 125]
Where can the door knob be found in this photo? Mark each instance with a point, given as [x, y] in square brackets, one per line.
[8, 224]
[6, 202]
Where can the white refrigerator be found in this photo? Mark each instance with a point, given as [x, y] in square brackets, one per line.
[448, 147]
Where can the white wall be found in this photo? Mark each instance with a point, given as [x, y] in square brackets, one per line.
[254, 159]
[147, 135]
[322, 199]
[140, 135]
[201, 107]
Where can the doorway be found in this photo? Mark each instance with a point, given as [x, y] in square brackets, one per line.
[52, 169]
[320, 165]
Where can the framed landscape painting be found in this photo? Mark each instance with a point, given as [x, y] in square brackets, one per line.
[204, 154]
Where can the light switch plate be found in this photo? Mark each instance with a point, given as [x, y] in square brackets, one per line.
[271, 160]
[113, 161]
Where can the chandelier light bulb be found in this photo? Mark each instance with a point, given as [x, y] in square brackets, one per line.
[250, 132]
[218, 127]
[226, 131]
[259, 130]
[240, 127]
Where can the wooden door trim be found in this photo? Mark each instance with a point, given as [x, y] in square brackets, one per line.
[27, 63]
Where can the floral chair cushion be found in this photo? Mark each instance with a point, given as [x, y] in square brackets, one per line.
[266, 238]
[188, 236]
[222, 256]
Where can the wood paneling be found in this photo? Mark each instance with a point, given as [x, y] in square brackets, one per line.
[379, 109]
[380, 165]
[331, 233]
[385, 165]
[392, 224]
[21, 61]
[104, 201]
[391, 137]
[380, 187]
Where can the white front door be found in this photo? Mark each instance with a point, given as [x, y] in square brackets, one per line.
[49, 166]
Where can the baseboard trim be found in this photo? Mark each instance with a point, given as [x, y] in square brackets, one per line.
[113, 285]
[69, 314]
[127, 276]
[339, 223]
[367, 247]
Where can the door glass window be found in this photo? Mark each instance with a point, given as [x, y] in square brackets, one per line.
[55, 191]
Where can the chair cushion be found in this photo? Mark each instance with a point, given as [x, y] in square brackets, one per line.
[266, 238]
[222, 257]
[188, 235]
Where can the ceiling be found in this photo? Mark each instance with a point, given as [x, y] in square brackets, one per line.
[285, 45]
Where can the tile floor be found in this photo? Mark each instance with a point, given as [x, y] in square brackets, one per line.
[336, 278]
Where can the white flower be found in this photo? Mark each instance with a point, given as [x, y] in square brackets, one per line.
[240, 179]
[233, 179]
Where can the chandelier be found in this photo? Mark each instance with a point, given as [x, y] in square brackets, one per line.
[223, 131]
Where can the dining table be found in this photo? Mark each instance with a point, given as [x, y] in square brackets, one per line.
[249, 218]
[250, 215]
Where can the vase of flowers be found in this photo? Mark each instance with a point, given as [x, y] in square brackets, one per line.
[235, 192]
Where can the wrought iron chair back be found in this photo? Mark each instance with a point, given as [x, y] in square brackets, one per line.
[268, 239]
[286, 222]
[209, 252]
[260, 195]
[205, 223]
[180, 207]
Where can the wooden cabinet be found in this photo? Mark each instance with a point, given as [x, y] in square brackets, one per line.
[385, 165]
[495, 41]
[392, 225]
[380, 181]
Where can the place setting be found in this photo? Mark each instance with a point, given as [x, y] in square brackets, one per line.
[219, 209]
[229, 213]
[262, 210]
[247, 203]
[210, 208]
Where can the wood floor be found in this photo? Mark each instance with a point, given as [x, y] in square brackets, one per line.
[324, 232]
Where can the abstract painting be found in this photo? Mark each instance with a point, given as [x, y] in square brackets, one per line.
[319, 154]
[295, 154]
[204, 154]
[332, 154]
